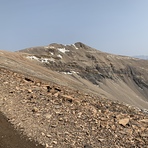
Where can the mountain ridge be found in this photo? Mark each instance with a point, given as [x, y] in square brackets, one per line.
[94, 66]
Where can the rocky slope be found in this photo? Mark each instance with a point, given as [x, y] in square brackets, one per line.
[57, 116]
[72, 96]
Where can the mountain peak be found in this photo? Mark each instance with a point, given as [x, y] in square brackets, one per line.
[80, 60]
[80, 45]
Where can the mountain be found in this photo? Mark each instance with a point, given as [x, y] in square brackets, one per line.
[73, 96]
[115, 77]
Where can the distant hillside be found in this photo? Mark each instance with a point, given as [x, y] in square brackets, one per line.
[142, 57]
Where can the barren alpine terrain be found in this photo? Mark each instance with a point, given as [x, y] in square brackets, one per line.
[73, 96]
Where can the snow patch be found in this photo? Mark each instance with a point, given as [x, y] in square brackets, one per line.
[51, 53]
[75, 46]
[63, 50]
[59, 56]
[43, 60]
[69, 73]
[32, 57]
[73, 72]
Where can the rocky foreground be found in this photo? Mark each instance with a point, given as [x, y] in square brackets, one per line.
[56, 116]
[11, 138]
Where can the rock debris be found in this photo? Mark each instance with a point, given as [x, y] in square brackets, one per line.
[57, 116]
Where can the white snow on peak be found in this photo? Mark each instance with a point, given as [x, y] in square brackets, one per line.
[32, 57]
[63, 50]
[43, 60]
[59, 56]
[46, 60]
[67, 73]
[74, 72]
[70, 73]
[51, 53]
[75, 46]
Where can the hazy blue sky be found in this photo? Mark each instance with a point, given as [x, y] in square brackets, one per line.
[115, 26]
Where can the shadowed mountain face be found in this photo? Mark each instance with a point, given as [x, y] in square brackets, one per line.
[116, 77]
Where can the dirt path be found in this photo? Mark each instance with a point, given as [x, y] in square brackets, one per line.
[10, 138]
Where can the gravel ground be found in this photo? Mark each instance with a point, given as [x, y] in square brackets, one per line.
[10, 138]
[56, 116]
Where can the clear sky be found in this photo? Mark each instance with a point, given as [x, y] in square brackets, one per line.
[114, 26]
